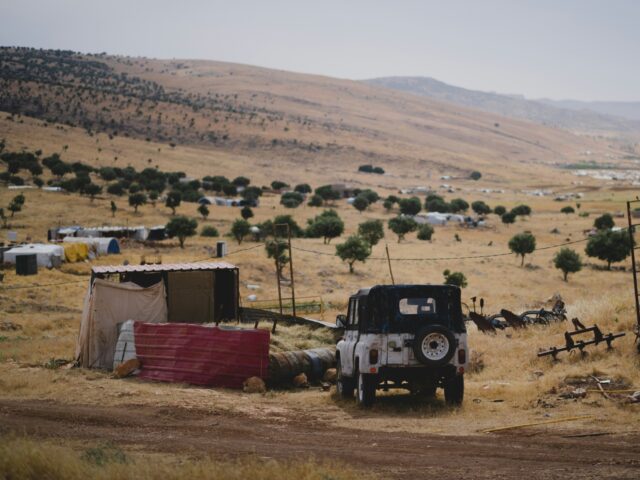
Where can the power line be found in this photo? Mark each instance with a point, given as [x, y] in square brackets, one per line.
[231, 253]
[431, 259]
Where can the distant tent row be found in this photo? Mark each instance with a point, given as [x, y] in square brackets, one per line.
[97, 246]
[139, 233]
[73, 249]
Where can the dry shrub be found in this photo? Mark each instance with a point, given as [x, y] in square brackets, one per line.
[25, 459]
[476, 362]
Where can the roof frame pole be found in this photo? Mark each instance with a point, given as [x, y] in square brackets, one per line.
[277, 259]
[633, 265]
[293, 283]
[386, 247]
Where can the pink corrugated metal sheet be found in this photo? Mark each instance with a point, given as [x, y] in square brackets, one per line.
[166, 267]
[210, 356]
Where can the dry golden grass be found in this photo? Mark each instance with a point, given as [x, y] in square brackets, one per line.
[50, 315]
[25, 459]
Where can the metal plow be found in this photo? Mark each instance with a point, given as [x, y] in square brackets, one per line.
[508, 319]
[580, 329]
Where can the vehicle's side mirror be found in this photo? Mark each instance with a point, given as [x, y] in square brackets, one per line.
[341, 321]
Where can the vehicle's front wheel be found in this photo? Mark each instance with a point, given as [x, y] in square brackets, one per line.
[454, 390]
[344, 385]
[366, 389]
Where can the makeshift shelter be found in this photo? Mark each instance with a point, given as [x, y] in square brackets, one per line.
[107, 306]
[48, 256]
[202, 292]
[199, 292]
[75, 252]
[100, 246]
[157, 233]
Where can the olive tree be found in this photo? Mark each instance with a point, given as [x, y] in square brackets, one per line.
[372, 231]
[240, 229]
[522, 244]
[181, 227]
[568, 261]
[402, 225]
[354, 249]
[609, 246]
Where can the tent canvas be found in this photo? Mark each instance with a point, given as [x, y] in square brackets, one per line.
[109, 304]
[76, 252]
[100, 245]
[47, 256]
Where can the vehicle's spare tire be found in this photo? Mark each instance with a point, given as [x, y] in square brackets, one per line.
[434, 345]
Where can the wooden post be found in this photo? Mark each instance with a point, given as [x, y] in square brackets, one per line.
[386, 247]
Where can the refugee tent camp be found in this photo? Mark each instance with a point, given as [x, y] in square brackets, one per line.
[139, 233]
[203, 292]
[48, 256]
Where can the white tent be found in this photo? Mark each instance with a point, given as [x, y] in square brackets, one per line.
[109, 304]
[432, 218]
[48, 256]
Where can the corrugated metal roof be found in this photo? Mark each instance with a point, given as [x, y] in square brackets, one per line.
[165, 267]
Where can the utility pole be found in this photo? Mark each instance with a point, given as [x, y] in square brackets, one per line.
[386, 247]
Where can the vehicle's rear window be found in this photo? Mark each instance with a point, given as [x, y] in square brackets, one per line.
[417, 306]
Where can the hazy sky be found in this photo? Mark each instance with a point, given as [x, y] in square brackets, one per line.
[582, 49]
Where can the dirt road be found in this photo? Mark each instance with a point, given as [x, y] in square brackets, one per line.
[391, 455]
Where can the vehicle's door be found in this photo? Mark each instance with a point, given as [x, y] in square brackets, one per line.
[351, 336]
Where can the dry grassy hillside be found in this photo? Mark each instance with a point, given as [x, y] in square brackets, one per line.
[278, 118]
[323, 129]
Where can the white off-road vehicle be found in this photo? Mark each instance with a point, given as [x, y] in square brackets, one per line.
[403, 336]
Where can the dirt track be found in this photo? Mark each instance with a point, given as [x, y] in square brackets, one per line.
[391, 455]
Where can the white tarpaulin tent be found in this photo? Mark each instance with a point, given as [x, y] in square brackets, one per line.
[139, 233]
[432, 218]
[48, 256]
[109, 304]
[99, 245]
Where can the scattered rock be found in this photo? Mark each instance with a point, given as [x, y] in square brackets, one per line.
[254, 385]
[577, 393]
[330, 375]
[300, 381]
[127, 368]
[537, 374]
[7, 326]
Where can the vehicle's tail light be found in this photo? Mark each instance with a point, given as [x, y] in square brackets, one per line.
[373, 356]
[462, 356]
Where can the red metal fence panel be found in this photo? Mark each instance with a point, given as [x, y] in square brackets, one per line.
[210, 356]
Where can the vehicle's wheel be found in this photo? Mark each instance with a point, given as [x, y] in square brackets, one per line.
[434, 345]
[454, 389]
[344, 385]
[366, 389]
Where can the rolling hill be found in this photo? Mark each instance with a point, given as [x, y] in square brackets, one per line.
[582, 117]
[276, 119]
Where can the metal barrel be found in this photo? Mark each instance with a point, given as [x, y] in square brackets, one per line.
[284, 366]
